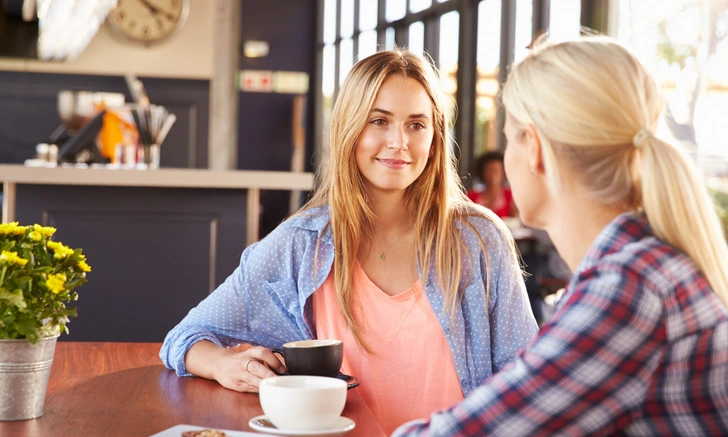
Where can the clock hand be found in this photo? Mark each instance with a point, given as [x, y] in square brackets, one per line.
[156, 10]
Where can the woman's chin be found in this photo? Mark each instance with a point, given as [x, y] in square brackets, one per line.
[531, 220]
[388, 187]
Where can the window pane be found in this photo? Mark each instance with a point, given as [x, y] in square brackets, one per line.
[328, 71]
[368, 14]
[449, 31]
[347, 18]
[419, 5]
[524, 28]
[389, 39]
[417, 37]
[487, 86]
[367, 44]
[396, 9]
[564, 20]
[327, 87]
[690, 61]
[346, 58]
[329, 21]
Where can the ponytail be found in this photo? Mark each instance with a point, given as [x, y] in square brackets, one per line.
[608, 137]
[681, 212]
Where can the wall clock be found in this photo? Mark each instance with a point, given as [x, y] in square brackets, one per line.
[148, 21]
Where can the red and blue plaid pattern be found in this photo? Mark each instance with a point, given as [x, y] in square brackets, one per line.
[638, 346]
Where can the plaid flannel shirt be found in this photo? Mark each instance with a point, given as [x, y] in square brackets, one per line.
[638, 346]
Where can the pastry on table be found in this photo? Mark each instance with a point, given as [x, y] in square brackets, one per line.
[204, 433]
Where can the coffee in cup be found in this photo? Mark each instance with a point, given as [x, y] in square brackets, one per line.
[313, 357]
[300, 402]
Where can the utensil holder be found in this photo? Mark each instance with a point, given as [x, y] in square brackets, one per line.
[151, 156]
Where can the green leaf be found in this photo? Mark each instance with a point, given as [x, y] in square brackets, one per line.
[8, 319]
[68, 312]
[14, 297]
[26, 326]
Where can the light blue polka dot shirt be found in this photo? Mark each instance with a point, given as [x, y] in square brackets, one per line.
[267, 300]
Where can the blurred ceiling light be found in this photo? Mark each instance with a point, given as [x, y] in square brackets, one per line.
[66, 27]
[255, 49]
[488, 87]
[485, 103]
[449, 85]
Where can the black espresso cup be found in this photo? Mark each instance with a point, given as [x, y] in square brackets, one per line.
[313, 357]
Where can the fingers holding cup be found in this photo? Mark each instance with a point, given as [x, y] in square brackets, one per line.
[258, 364]
[268, 359]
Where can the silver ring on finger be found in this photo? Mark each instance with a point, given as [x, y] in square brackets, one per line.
[248, 364]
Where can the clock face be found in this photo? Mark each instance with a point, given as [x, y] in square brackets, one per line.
[148, 20]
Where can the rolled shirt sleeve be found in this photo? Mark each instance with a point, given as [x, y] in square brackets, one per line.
[257, 304]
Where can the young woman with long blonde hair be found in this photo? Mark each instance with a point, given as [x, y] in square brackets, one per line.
[389, 255]
[639, 341]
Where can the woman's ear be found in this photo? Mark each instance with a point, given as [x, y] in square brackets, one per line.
[535, 159]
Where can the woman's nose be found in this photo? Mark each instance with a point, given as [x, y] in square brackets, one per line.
[397, 139]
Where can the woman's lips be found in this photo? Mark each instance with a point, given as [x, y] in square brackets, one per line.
[393, 163]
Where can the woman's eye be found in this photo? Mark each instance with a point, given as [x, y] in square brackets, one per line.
[378, 122]
[418, 126]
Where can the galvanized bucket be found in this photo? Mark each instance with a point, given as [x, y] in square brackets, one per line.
[24, 372]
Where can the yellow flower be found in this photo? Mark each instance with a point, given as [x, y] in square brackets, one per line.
[45, 230]
[56, 283]
[60, 251]
[12, 258]
[12, 228]
[83, 266]
[8, 228]
[35, 235]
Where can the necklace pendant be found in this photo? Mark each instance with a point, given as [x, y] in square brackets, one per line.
[381, 256]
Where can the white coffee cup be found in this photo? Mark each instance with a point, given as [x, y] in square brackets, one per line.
[301, 402]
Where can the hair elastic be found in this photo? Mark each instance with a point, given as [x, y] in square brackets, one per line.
[640, 138]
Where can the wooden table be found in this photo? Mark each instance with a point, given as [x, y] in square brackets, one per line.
[122, 389]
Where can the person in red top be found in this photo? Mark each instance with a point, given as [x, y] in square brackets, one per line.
[493, 191]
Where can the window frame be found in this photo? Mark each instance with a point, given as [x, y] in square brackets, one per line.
[465, 123]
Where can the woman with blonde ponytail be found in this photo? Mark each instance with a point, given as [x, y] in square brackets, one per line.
[390, 256]
[638, 344]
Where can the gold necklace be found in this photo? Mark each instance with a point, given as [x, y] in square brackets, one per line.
[381, 254]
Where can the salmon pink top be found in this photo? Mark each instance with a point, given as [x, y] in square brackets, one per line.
[411, 373]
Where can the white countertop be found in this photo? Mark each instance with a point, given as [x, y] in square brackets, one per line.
[165, 177]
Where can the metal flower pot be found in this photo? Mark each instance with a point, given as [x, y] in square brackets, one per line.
[24, 372]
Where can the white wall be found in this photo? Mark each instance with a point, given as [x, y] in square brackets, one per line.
[187, 54]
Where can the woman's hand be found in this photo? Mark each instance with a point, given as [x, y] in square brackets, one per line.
[242, 371]
[236, 370]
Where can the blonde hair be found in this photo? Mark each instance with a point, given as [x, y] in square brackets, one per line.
[595, 105]
[435, 200]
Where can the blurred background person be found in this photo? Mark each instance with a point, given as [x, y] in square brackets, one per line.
[546, 271]
[493, 191]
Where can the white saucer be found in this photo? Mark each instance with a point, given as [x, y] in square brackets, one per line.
[341, 425]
